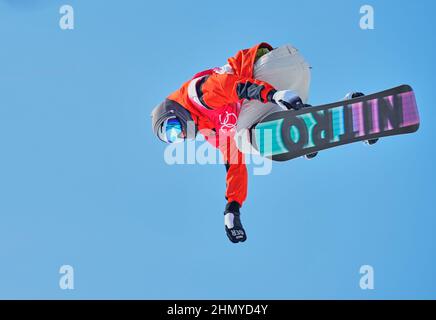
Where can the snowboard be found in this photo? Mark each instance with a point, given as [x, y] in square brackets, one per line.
[286, 135]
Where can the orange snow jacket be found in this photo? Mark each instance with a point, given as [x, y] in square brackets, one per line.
[214, 98]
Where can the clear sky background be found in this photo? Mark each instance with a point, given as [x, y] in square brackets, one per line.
[83, 181]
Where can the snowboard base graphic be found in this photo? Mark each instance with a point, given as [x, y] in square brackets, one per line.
[290, 134]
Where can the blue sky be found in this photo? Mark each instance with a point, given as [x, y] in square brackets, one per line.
[83, 181]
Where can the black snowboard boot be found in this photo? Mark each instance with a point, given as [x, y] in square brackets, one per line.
[232, 221]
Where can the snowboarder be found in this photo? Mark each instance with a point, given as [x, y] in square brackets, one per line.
[229, 101]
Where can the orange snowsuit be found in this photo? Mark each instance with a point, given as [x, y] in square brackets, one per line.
[214, 98]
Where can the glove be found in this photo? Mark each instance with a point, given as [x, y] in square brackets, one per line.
[287, 99]
[232, 221]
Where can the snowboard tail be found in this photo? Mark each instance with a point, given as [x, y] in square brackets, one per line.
[290, 134]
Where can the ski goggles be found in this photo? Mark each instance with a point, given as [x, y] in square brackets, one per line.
[172, 131]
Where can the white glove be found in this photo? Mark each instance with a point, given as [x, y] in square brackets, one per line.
[287, 99]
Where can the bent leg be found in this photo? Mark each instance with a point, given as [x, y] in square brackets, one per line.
[285, 69]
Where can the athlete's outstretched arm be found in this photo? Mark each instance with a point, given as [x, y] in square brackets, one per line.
[217, 90]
